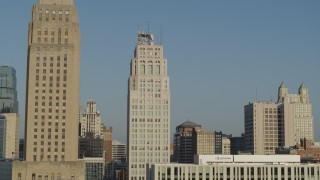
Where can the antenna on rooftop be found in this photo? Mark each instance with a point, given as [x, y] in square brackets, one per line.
[161, 35]
[256, 93]
[148, 28]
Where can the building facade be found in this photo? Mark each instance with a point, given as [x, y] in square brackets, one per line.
[89, 146]
[297, 116]
[269, 125]
[118, 151]
[107, 143]
[35, 170]
[52, 94]
[8, 90]
[9, 135]
[148, 123]
[226, 145]
[203, 142]
[94, 168]
[237, 145]
[9, 115]
[183, 142]
[261, 128]
[226, 167]
[53, 76]
[91, 120]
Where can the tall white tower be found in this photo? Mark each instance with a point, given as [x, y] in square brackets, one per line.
[148, 120]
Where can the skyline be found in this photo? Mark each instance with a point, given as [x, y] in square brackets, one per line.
[279, 40]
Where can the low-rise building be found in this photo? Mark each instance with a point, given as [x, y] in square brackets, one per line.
[35, 170]
[94, 168]
[226, 167]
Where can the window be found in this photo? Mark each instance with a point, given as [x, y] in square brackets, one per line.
[53, 15]
[60, 15]
[142, 69]
[150, 69]
[67, 17]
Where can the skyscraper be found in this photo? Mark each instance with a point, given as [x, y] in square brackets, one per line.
[183, 142]
[52, 99]
[148, 122]
[269, 125]
[52, 94]
[91, 120]
[9, 117]
[297, 117]
[8, 90]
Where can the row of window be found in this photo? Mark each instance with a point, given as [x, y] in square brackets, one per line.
[49, 123]
[46, 32]
[40, 158]
[52, 40]
[149, 49]
[47, 15]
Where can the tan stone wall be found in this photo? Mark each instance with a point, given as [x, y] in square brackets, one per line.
[53, 83]
[74, 170]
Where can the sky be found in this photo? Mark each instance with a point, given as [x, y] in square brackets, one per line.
[221, 54]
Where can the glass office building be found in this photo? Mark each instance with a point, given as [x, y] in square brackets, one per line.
[8, 90]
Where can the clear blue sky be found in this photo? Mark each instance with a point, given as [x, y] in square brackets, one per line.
[218, 53]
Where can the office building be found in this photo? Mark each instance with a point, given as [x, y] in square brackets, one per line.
[53, 82]
[297, 118]
[90, 146]
[148, 123]
[9, 117]
[91, 120]
[107, 143]
[94, 168]
[218, 142]
[52, 94]
[8, 90]
[9, 135]
[183, 142]
[118, 150]
[237, 145]
[203, 142]
[261, 128]
[226, 145]
[269, 125]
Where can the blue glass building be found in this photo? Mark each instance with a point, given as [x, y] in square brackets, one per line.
[8, 90]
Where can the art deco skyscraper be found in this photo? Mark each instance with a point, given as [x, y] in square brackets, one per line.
[53, 74]
[91, 120]
[148, 120]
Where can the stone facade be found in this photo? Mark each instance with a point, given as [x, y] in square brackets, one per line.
[148, 123]
[91, 120]
[53, 82]
[269, 125]
[22, 170]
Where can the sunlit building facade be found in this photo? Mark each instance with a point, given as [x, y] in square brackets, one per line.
[148, 122]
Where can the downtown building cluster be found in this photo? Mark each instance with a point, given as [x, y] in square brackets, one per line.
[62, 142]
